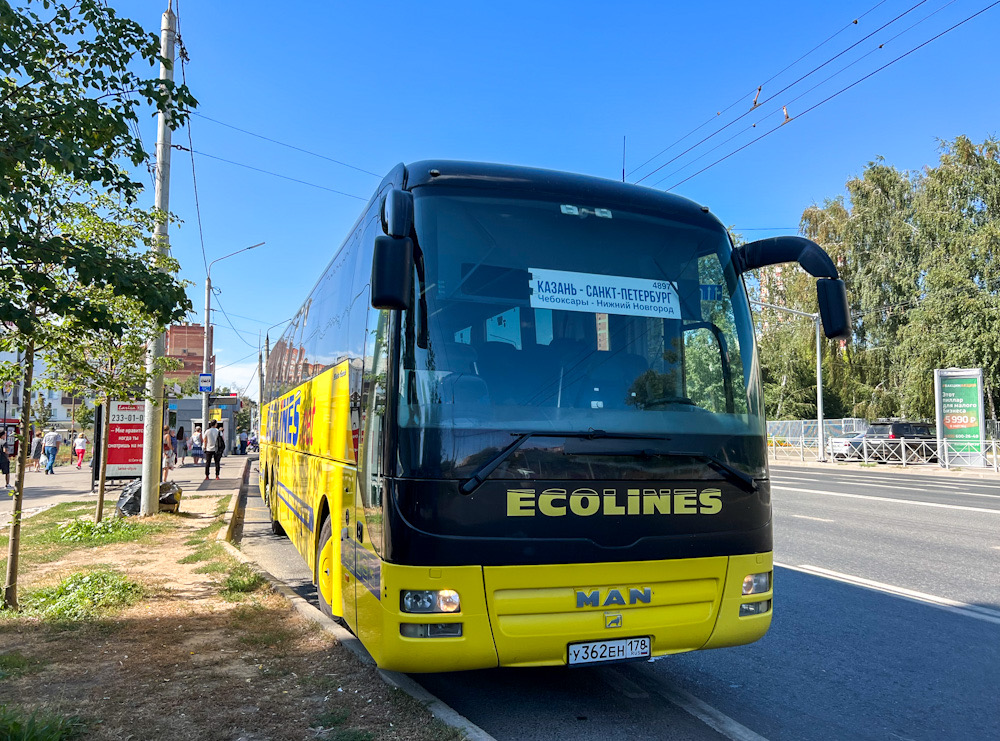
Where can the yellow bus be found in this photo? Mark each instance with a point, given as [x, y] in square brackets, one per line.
[519, 422]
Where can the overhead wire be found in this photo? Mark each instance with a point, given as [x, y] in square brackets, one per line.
[183, 55]
[803, 94]
[752, 92]
[285, 144]
[275, 174]
[784, 89]
[839, 92]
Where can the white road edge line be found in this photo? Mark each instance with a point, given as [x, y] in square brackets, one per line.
[961, 608]
[807, 517]
[714, 719]
[888, 499]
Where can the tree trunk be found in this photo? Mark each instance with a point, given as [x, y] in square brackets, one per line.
[10, 586]
[105, 430]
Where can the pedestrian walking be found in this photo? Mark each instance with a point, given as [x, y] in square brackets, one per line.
[50, 444]
[196, 445]
[36, 452]
[181, 448]
[4, 459]
[80, 448]
[243, 442]
[211, 445]
[168, 451]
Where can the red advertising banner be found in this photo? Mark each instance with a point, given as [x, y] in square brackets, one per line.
[125, 438]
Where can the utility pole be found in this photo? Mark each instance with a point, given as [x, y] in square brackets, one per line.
[152, 444]
[819, 371]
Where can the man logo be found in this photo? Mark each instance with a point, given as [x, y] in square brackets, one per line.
[612, 620]
[613, 597]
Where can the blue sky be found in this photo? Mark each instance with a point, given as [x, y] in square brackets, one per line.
[554, 85]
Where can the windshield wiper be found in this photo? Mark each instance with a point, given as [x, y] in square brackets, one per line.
[483, 472]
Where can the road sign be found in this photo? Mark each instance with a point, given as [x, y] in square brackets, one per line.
[8, 390]
[205, 383]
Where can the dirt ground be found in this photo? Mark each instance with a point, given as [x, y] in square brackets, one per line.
[185, 663]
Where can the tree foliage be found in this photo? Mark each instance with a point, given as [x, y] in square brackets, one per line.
[69, 104]
[919, 254]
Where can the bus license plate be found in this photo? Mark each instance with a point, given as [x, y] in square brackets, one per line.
[618, 650]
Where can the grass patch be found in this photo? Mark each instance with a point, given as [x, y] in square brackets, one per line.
[17, 725]
[13, 664]
[333, 718]
[258, 627]
[108, 530]
[205, 552]
[41, 535]
[241, 581]
[85, 595]
[214, 567]
[223, 505]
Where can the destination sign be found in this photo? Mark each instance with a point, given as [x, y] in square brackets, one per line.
[603, 294]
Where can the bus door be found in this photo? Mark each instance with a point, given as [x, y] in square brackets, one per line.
[367, 519]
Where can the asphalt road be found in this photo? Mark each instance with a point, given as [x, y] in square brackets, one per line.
[886, 626]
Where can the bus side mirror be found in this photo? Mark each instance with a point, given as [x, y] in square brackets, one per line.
[397, 213]
[392, 273]
[833, 308]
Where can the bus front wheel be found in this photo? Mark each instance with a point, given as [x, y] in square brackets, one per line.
[324, 568]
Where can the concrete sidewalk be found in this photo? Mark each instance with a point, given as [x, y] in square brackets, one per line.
[931, 469]
[68, 484]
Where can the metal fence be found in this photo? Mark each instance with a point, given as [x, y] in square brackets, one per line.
[802, 428]
[947, 453]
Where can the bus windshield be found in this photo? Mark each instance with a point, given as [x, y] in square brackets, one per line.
[543, 314]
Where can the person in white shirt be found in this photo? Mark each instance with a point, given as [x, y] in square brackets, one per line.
[210, 443]
[50, 444]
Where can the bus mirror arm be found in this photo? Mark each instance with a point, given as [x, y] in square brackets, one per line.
[833, 308]
[392, 271]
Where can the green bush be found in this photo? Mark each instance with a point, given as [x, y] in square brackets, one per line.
[85, 596]
[15, 725]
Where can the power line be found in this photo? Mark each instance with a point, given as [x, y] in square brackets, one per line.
[770, 79]
[194, 178]
[787, 87]
[235, 362]
[230, 322]
[290, 146]
[839, 92]
[275, 174]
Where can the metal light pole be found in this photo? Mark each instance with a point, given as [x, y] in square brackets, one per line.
[207, 349]
[819, 370]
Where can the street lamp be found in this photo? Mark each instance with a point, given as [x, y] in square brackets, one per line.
[206, 361]
[819, 371]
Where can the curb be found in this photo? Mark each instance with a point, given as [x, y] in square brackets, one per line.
[440, 710]
[926, 470]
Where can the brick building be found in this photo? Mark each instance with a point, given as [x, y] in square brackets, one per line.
[186, 342]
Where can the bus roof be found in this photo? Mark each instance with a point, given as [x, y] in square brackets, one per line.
[586, 187]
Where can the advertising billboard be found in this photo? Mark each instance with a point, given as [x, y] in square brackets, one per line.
[958, 401]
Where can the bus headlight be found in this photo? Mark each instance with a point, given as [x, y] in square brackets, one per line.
[430, 630]
[425, 600]
[756, 583]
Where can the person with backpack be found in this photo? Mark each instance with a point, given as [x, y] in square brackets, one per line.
[213, 444]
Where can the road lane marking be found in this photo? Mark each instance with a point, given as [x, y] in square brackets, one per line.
[708, 715]
[888, 499]
[977, 612]
[807, 517]
[620, 683]
[897, 487]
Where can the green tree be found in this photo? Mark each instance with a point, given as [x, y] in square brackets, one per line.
[84, 415]
[69, 104]
[42, 412]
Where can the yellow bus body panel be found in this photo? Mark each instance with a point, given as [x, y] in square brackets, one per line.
[391, 650]
[523, 616]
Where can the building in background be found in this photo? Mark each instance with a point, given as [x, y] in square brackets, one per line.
[186, 343]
